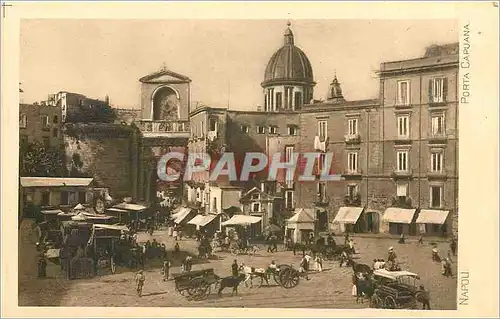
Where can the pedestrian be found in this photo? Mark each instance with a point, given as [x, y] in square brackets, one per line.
[402, 239]
[42, 265]
[139, 280]
[235, 268]
[166, 269]
[424, 298]
[392, 255]
[351, 246]
[179, 232]
[177, 248]
[319, 262]
[346, 237]
[354, 289]
[144, 253]
[274, 239]
[304, 267]
[344, 258]
[189, 263]
[269, 246]
[453, 246]
[420, 239]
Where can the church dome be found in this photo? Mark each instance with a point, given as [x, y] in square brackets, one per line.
[288, 65]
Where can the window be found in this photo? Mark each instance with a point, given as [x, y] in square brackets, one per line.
[255, 207]
[402, 190]
[214, 204]
[322, 191]
[46, 141]
[437, 162]
[82, 197]
[292, 130]
[261, 130]
[273, 130]
[290, 173]
[321, 162]
[352, 162]
[23, 121]
[64, 118]
[244, 129]
[402, 161]
[403, 92]
[403, 126]
[202, 129]
[322, 130]
[437, 90]
[298, 100]
[55, 132]
[64, 198]
[279, 100]
[437, 125]
[352, 127]
[45, 121]
[436, 196]
[46, 198]
[352, 191]
[55, 119]
[256, 196]
[212, 125]
[289, 200]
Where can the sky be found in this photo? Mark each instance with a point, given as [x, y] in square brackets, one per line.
[225, 59]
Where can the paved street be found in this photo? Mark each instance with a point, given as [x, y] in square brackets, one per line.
[329, 289]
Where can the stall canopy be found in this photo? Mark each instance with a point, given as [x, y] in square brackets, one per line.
[52, 212]
[429, 216]
[348, 215]
[202, 220]
[131, 207]
[111, 227]
[181, 215]
[79, 217]
[399, 215]
[117, 210]
[302, 219]
[242, 220]
[79, 207]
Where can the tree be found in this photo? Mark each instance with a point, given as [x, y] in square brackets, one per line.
[36, 159]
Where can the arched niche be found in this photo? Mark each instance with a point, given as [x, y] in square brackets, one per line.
[165, 104]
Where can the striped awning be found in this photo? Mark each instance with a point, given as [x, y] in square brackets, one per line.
[399, 215]
[202, 220]
[432, 216]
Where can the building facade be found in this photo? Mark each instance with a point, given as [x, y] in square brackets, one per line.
[40, 123]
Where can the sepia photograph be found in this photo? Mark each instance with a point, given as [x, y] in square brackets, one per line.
[241, 163]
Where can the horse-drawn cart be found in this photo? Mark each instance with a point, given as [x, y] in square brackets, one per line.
[195, 285]
[395, 289]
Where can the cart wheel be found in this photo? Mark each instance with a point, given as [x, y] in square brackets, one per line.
[202, 291]
[113, 265]
[289, 278]
[276, 277]
[389, 303]
[376, 302]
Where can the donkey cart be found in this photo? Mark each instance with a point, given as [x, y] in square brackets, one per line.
[195, 285]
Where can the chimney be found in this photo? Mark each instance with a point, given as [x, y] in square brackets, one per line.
[263, 186]
[106, 99]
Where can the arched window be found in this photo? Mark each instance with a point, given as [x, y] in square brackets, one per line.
[166, 104]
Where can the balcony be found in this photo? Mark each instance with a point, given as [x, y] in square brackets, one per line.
[401, 202]
[402, 140]
[437, 175]
[174, 129]
[402, 174]
[352, 139]
[322, 201]
[352, 174]
[437, 101]
[352, 200]
[401, 105]
[438, 139]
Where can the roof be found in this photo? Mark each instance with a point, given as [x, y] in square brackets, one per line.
[164, 76]
[288, 64]
[302, 215]
[132, 207]
[111, 227]
[55, 182]
[258, 190]
[429, 216]
[202, 220]
[242, 220]
[394, 274]
[180, 216]
[348, 215]
[52, 212]
[399, 215]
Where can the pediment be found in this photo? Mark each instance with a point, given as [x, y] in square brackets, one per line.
[164, 76]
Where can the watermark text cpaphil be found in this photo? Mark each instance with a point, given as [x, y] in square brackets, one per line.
[465, 64]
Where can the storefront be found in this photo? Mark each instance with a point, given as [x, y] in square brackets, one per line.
[433, 222]
[397, 221]
[300, 225]
[347, 219]
[206, 223]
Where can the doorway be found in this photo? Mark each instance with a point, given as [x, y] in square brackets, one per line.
[372, 222]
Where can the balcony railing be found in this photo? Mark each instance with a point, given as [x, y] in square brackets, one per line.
[147, 126]
[402, 173]
[437, 138]
[352, 200]
[322, 201]
[352, 173]
[352, 139]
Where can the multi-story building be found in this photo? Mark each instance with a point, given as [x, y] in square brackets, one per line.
[77, 107]
[40, 122]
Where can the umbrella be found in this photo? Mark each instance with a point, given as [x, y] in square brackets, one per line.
[79, 207]
[273, 228]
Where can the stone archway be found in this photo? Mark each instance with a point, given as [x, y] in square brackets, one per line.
[165, 104]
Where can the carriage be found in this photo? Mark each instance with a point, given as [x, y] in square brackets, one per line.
[286, 276]
[395, 289]
[197, 284]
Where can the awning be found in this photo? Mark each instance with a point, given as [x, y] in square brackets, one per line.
[241, 220]
[112, 227]
[52, 212]
[182, 215]
[302, 215]
[131, 207]
[432, 216]
[399, 215]
[348, 215]
[117, 210]
[202, 220]
[79, 217]
[79, 207]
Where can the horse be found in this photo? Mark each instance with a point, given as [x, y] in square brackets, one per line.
[361, 268]
[365, 288]
[252, 272]
[231, 282]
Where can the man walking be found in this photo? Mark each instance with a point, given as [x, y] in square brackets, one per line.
[166, 269]
[235, 268]
[140, 279]
[424, 298]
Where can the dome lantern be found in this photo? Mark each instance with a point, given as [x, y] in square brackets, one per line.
[335, 91]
